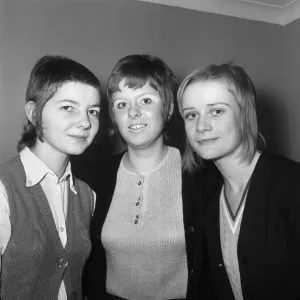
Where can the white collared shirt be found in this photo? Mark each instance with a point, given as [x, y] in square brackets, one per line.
[56, 191]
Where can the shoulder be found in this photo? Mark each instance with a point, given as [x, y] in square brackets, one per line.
[208, 177]
[12, 172]
[280, 166]
[84, 190]
[81, 184]
[282, 176]
[8, 166]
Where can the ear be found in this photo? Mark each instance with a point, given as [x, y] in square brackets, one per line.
[30, 111]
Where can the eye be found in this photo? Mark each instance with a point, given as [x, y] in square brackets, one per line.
[217, 112]
[67, 108]
[120, 104]
[190, 116]
[94, 112]
[146, 101]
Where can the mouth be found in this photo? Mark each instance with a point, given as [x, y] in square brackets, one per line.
[79, 137]
[137, 127]
[206, 141]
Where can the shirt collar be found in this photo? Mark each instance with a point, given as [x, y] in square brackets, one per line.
[36, 170]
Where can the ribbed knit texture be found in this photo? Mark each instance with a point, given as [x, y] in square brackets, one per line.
[33, 262]
[229, 241]
[143, 234]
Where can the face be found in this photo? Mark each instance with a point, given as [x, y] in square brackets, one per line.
[212, 120]
[70, 120]
[138, 114]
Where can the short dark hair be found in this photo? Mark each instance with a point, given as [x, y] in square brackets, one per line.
[137, 70]
[241, 87]
[47, 75]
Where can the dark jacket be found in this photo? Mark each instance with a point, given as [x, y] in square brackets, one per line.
[95, 274]
[269, 238]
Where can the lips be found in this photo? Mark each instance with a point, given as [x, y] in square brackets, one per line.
[79, 137]
[206, 141]
[137, 126]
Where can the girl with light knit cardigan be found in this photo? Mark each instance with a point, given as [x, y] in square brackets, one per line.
[143, 227]
[45, 211]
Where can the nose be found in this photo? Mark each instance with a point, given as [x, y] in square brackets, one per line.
[204, 124]
[134, 111]
[84, 122]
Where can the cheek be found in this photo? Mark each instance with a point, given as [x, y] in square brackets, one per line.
[96, 123]
[189, 129]
[48, 125]
[152, 114]
[235, 127]
[118, 118]
[234, 133]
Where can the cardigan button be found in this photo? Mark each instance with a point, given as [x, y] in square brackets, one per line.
[63, 263]
[191, 228]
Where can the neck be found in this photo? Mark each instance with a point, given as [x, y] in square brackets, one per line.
[236, 174]
[146, 159]
[55, 161]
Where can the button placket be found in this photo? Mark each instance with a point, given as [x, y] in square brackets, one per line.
[61, 226]
[139, 200]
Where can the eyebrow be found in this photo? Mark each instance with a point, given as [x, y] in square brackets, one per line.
[96, 105]
[76, 103]
[210, 105]
[148, 93]
[138, 96]
[218, 103]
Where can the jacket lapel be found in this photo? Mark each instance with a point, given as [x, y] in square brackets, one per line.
[254, 215]
[212, 221]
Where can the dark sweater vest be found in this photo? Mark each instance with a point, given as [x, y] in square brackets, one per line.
[34, 262]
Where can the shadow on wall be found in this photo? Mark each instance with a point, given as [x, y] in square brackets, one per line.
[273, 122]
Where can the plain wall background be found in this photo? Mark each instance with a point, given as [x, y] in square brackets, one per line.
[98, 33]
[292, 79]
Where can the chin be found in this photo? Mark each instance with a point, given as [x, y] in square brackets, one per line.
[76, 150]
[207, 155]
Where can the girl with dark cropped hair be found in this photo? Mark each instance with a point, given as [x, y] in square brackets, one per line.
[45, 211]
[252, 221]
[143, 227]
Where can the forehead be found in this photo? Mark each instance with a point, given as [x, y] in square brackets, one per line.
[79, 92]
[127, 92]
[207, 92]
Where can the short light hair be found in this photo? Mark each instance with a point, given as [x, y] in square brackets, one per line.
[241, 87]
